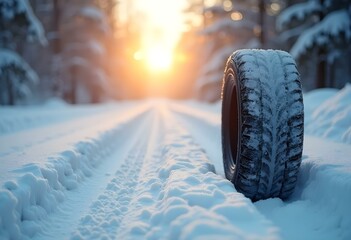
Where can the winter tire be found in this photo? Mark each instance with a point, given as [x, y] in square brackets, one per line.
[262, 123]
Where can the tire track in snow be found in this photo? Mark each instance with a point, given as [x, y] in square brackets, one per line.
[80, 205]
[30, 199]
[170, 191]
[108, 213]
[204, 126]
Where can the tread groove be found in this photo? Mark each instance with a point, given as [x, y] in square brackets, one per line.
[271, 123]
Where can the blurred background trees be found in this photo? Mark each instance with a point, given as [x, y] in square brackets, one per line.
[89, 51]
[70, 57]
[17, 25]
[318, 34]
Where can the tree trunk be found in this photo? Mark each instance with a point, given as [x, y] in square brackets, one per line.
[11, 94]
[71, 92]
[322, 60]
[321, 69]
[56, 44]
[262, 22]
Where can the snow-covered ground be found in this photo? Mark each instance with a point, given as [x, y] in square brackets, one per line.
[153, 170]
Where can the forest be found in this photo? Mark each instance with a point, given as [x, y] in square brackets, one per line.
[88, 51]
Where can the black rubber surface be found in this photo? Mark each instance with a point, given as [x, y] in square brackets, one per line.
[262, 123]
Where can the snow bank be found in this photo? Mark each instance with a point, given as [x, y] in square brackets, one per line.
[331, 117]
[32, 191]
[30, 198]
[315, 98]
[320, 207]
[169, 187]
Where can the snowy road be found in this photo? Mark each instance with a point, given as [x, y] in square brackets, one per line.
[153, 170]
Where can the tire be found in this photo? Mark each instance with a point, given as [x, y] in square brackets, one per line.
[262, 123]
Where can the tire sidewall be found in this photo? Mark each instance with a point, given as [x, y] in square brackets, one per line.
[231, 90]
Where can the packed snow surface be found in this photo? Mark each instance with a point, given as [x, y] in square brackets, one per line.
[153, 170]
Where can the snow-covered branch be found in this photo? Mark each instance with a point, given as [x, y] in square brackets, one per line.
[10, 9]
[95, 15]
[297, 12]
[9, 58]
[335, 25]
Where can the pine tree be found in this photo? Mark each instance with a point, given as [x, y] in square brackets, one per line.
[85, 32]
[17, 23]
[229, 25]
[321, 32]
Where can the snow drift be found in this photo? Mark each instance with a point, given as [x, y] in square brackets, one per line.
[330, 115]
[171, 182]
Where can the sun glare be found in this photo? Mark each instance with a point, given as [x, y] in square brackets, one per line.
[159, 59]
[162, 24]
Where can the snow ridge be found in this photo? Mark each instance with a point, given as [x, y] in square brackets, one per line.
[108, 211]
[173, 193]
[151, 180]
[38, 190]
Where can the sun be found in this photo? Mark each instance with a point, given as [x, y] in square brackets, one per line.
[160, 28]
[158, 58]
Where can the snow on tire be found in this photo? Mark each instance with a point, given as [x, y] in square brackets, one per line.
[262, 123]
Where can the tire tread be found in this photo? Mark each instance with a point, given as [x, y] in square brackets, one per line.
[272, 123]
